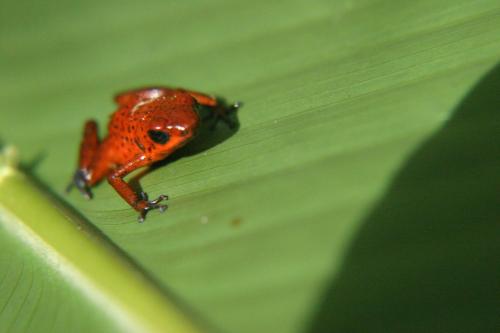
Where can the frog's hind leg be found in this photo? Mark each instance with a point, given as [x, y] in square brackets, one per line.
[89, 145]
[88, 150]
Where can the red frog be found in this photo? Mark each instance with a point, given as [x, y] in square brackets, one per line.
[149, 125]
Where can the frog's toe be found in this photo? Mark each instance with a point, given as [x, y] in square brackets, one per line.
[143, 195]
[86, 193]
[160, 198]
[80, 182]
[150, 205]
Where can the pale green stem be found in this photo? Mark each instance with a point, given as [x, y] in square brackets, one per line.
[83, 258]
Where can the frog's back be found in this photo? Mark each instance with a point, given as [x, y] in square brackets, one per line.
[132, 98]
[137, 107]
[141, 111]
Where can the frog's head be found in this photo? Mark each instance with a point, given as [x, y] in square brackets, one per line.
[172, 129]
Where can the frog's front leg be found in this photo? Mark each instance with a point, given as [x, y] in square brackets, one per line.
[223, 111]
[88, 149]
[219, 109]
[138, 201]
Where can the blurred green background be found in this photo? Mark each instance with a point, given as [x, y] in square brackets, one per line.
[357, 195]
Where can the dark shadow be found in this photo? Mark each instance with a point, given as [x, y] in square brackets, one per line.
[426, 259]
[210, 134]
[31, 166]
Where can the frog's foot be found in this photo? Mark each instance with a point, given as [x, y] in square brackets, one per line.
[145, 205]
[80, 182]
[224, 113]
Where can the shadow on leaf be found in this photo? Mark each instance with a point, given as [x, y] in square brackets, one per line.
[426, 258]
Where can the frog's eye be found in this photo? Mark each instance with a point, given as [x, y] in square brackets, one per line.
[158, 136]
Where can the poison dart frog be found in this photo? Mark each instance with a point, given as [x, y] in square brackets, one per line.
[149, 125]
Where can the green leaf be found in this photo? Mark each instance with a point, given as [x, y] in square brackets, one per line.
[357, 194]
